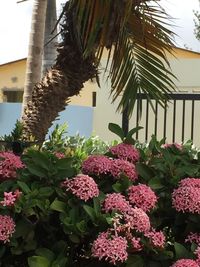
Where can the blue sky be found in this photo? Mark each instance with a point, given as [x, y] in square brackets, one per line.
[15, 25]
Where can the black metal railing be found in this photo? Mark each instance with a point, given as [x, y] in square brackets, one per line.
[177, 108]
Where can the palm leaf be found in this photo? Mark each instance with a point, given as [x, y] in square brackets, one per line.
[137, 36]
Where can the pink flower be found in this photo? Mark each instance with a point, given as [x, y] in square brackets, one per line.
[197, 253]
[136, 243]
[138, 220]
[157, 239]
[9, 164]
[120, 166]
[110, 248]
[96, 165]
[82, 186]
[59, 155]
[116, 202]
[191, 182]
[178, 146]
[10, 198]
[142, 196]
[7, 228]
[193, 238]
[186, 197]
[185, 263]
[125, 152]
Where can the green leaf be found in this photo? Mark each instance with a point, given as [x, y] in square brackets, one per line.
[135, 261]
[117, 187]
[81, 226]
[23, 227]
[133, 131]
[40, 158]
[125, 183]
[60, 247]
[97, 206]
[36, 170]
[47, 253]
[24, 187]
[155, 183]
[46, 191]
[58, 206]
[90, 211]
[74, 238]
[64, 163]
[116, 129]
[38, 261]
[181, 251]
[2, 251]
[144, 171]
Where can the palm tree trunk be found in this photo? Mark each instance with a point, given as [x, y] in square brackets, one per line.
[36, 44]
[50, 39]
[51, 95]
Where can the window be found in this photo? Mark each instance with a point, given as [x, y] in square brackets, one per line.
[13, 96]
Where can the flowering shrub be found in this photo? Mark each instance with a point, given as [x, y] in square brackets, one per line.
[134, 206]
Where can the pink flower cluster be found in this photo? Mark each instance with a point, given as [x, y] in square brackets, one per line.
[10, 198]
[178, 146]
[197, 253]
[120, 166]
[9, 164]
[7, 228]
[116, 202]
[157, 239]
[186, 197]
[137, 220]
[193, 238]
[110, 248]
[185, 263]
[96, 165]
[191, 182]
[136, 243]
[59, 155]
[125, 152]
[82, 186]
[142, 196]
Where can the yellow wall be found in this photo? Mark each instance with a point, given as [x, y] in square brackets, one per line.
[183, 53]
[12, 76]
[16, 69]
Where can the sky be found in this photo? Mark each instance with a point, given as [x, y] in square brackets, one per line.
[15, 23]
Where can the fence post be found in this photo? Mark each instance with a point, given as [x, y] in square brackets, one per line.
[125, 120]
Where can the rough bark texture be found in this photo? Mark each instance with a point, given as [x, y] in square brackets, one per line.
[49, 97]
[36, 44]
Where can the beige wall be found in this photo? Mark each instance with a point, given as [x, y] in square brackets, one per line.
[186, 68]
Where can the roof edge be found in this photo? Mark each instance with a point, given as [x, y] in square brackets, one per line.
[14, 61]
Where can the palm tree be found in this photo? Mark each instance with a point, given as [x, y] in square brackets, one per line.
[50, 37]
[36, 44]
[136, 36]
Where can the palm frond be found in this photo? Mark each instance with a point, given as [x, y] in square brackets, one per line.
[137, 36]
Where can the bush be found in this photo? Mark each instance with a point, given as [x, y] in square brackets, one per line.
[133, 206]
